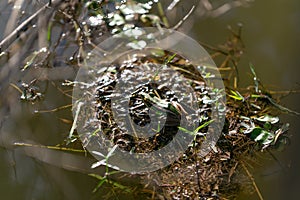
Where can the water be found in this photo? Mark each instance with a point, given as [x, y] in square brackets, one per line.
[271, 35]
[31, 172]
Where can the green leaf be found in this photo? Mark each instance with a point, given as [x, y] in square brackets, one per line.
[49, 31]
[262, 136]
[194, 132]
[268, 118]
[158, 52]
[111, 152]
[280, 131]
[114, 183]
[203, 126]
[252, 69]
[31, 60]
[170, 58]
[186, 131]
[117, 20]
[255, 79]
[236, 95]
[101, 182]
[267, 126]
[274, 103]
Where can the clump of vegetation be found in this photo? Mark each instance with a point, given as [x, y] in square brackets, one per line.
[252, 123]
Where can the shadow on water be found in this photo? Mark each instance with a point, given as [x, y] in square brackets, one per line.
[271, 35]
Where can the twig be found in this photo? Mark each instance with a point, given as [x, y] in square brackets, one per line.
[12, 21]
[184, 18]
[16, 87]
[9, 39]
[55, 109]
[236, 77]
[74, 125]
[173, 4]
[21, 144]
[213, 48]
[162, 14]
[284, 92]
[231, 172]
[59, 89]
[207, 5]
[252, 180]
[224, 8]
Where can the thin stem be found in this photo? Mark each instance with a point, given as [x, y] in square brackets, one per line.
[252, 180]
[9, 39]
[162, 14]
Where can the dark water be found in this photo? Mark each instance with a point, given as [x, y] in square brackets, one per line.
[271, 35]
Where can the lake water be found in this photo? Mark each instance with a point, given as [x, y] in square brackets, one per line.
[271, 36]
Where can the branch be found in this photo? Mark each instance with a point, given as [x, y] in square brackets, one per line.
[184, 18]
[8, 40]
[252, 180]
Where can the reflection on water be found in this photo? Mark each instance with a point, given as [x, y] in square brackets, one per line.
[32, 172]
[271, 35]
